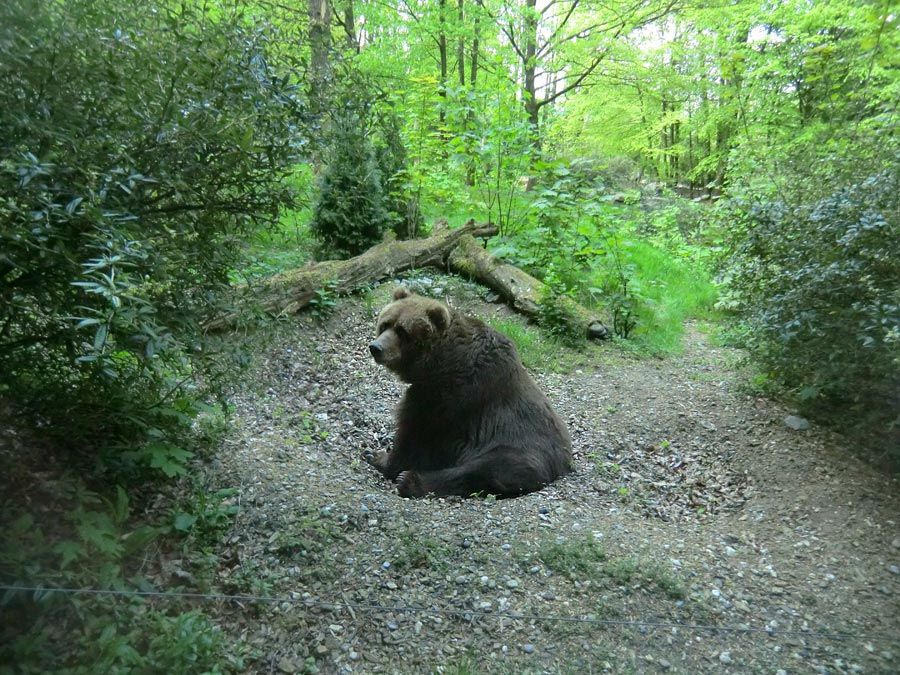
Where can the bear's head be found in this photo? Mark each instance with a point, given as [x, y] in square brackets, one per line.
[406, 331]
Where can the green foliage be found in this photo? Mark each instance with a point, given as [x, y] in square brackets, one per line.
[323, 301]
[366, 188]
[415, 551]
[818, 288]
[350, 214]
[536, 350]
[286, 245]
[82, 539]
[404, 212]
[615, 281]
[719, 91]
[575, 559]
[596, 252]
[206, 514]
[499, 150]
[127, 637]
[138, 143]
[663, 291]
[554, 315]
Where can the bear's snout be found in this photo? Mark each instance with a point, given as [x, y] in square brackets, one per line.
[377, 352]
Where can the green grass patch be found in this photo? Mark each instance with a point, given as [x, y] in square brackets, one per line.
[286, 245]
[582, 559]
[415, 551]
[586, 558]
[668, 291]
[538, 351]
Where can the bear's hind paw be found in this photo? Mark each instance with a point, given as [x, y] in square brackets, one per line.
[409, 485]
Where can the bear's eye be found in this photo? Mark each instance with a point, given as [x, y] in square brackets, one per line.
[401, 332]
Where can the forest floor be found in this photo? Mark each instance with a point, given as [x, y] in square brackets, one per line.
[699, 533]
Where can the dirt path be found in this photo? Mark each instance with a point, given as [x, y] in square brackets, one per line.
[691, 504]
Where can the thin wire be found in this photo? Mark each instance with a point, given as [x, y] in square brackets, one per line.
[465, 613]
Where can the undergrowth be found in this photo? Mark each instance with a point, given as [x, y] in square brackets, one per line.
[67, 531]
[645, 271]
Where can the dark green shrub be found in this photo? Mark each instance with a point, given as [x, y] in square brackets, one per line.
[350, 214]
[818, 288]
[138, 142]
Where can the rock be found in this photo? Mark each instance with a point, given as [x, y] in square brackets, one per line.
[287, 665]
[725, 657]
[528, 648]
[796, 423]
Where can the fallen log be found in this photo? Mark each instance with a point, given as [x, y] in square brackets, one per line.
[291, 291]
[519, 290]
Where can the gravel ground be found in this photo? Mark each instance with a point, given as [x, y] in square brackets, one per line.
[693, 505]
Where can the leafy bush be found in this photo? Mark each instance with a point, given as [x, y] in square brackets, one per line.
[138, 143]
[616, 281]
[818, 288]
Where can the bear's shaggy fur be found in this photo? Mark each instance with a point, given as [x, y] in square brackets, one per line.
[472, 421]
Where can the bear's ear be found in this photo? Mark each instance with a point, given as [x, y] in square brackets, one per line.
[401, 292]
[439, 317]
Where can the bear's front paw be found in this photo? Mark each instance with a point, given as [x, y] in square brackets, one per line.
[410, 485]
[376, 459]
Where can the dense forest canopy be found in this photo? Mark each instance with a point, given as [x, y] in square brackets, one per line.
[655, 160]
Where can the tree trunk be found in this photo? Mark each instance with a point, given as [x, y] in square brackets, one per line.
[461, 45]
[473, 68]
[532, 106]
[320, 48]
[442, 51]
[291, 291]
[349, 23]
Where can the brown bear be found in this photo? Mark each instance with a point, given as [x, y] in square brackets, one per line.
[472, 421]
